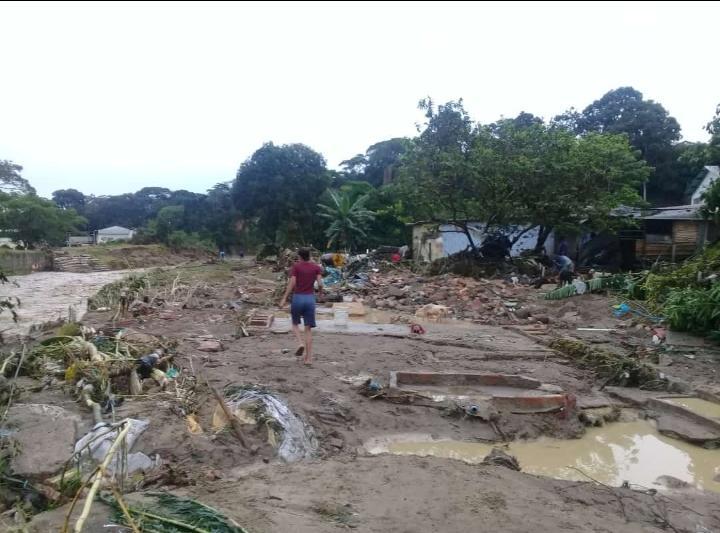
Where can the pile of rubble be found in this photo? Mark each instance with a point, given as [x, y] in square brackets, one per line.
[484, 301]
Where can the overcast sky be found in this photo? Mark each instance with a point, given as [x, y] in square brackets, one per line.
[111, 97]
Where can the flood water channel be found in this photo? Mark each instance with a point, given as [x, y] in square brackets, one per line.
[622, 451]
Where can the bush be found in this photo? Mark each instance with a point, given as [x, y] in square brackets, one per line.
[694, 310]
[181, 240]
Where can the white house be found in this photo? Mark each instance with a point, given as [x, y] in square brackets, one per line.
[113, 233]
[433, 241]
[707, 177]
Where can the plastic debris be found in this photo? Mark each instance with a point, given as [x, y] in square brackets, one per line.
[97, 442]
[295, 439]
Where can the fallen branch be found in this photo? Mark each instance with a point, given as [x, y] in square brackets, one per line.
[234, 422]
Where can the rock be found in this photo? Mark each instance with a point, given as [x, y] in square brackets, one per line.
[672, 482]
[396, 292]
[685, 429]
[497, 457]
[210, 346]
[665, 360]
[542, 318]
[337, 443]
[45, 438]
[522, 313]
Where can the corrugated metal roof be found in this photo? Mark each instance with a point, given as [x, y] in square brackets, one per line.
[678, 212]
[114, 230]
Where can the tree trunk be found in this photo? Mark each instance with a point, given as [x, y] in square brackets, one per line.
[523, 232]
[543, 234]
[466, 231]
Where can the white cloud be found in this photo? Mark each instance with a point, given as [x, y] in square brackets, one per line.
[110, 97]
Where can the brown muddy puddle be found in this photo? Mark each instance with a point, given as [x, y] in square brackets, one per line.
[623, 451]
[697, 406]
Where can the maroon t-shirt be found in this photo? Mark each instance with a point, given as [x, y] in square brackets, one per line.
[305, 272]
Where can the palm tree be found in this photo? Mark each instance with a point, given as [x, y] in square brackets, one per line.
[348, 219]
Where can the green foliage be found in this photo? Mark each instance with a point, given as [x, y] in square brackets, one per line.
[711, 209]
[172, 514]
[181, 240]
[168, 221]
[380, 164]
[348, 219]
[70, 329]
[11, 181]
[690, 274]
[35, 220]
[517, 172]
[649, 128]
[694, 310]
[278, 188]
[69, 199]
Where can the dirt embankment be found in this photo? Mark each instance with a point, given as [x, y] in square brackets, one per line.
[129, 256]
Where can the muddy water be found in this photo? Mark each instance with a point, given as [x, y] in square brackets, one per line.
[46, 296]
[698, 406]
[623, 451]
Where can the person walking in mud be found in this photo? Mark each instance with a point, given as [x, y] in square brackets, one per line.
[303, 275]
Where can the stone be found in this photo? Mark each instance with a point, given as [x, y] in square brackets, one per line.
[522, 313]
[210, 346]
[542, 318]
[672, 482]
[396, 292]
[685, 429]
[337, 443]
[45, 437]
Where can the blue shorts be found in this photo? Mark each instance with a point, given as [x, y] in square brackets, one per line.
[303, 306]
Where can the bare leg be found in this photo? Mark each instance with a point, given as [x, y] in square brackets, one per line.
[308, 346]
[300, 341]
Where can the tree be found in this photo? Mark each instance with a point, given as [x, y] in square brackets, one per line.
[11, 181]
[451, 175]
[35, 220]
[711, 197]
[713, 128]
[649, 128]
[69, 199]
[559, 181]
[169, 219]
[380, 163]
[279, 187]
[348, 219]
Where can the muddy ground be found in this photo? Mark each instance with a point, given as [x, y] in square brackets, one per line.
[343, 486]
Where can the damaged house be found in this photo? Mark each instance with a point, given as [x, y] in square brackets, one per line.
[431, 241]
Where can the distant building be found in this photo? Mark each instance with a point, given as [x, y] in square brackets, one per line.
[113, 233]
[671, 233]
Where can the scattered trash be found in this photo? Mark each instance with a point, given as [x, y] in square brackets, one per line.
[295, 439]
[417, 329]
[193, 425]
[98, 441]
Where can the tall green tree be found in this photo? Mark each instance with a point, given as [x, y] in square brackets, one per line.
[649, 128]
[36, 221]
[348, 218]
[11, 180]
[69, 199]
[279, 188]
[557, 181]
[450, 173]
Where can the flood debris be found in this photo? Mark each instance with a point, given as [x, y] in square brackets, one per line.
[162, 511]
[498, 457]
[293, 438]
